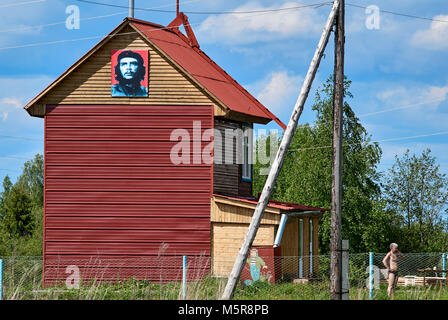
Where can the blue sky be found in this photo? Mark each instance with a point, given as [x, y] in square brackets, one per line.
[402, 65]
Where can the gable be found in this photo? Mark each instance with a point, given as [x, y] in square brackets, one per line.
[179, 74]
[90, 82]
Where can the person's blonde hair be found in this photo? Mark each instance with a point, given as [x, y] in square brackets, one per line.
[393, 245]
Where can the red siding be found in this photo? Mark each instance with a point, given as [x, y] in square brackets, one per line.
[111, 190]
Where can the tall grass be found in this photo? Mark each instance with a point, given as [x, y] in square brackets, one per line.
[23, 280]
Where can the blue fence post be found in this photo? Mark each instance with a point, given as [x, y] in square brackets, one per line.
[371, 275]
[1, 279]
[444, 264]
[184, 277]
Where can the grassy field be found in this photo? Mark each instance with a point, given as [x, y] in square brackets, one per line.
[211, 288]
[23, 278]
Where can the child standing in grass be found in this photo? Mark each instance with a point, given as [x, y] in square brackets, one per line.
[390, 261]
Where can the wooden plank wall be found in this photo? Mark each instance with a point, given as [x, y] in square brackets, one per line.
[289, 246]
[223, 212]
[91, 81]
[112, 191]
[227, 240]
[229, 227]
[315, 247]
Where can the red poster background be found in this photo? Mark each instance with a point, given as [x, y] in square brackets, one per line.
[143, 53]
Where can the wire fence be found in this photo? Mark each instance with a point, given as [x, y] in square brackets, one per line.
[201, 277]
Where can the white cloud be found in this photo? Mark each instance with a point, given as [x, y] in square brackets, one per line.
[14, 93]
[415, 107]
[7, 106]
[434, 38]
[435, 93]
[260, 27]
[420, 95]
[12, 101]
[278, 90]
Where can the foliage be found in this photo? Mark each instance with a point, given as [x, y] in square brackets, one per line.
[21, 211]
[32, 179]
[307, 170]
[418, 193]
[17, 215]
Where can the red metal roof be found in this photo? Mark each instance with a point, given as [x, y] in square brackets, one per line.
[177, 46]
[286, 206]
[204, 70]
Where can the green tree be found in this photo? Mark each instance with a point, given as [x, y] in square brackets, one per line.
[18, 212]
[306, 173]
[382, 227]
[7, 185]
[32, 179]
[418, 192]
[21, 211]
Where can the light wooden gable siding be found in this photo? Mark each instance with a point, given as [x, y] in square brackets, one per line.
[90, 82]
[229, 227]
[223, 210]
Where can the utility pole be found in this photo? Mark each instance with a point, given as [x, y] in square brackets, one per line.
[336, 182]
[277, 164]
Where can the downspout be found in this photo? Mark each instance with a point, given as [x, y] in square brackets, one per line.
[281, 227]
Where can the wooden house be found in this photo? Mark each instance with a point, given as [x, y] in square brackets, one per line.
[111, 188]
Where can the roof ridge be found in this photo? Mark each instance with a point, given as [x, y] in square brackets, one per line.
[152, 24]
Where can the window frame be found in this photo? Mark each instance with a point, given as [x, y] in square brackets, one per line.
[247, 132]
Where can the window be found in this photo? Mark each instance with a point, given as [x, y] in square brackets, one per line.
[246, 152]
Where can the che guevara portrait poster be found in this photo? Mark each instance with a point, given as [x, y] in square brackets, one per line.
[129, 73]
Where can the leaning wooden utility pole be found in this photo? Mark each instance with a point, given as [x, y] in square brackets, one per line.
[336, 181]
[277, 164]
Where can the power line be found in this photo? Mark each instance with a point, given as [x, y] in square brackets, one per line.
[84, 19]
[20, 3]
[14, 157]
[316, 5]
[413, 105]
[38, 44]
[58, 23]
[211, 12]
[377, 141]
[405, 107]
[399, 14]
[10, 170]
[266, 10]
[22, 138]
[120, 34]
